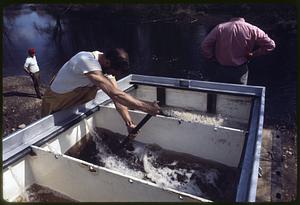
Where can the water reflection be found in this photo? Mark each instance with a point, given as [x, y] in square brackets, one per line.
[23, 29]
[165, 49]
[157, 44]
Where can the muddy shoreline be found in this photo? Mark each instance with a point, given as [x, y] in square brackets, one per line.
[21, 107]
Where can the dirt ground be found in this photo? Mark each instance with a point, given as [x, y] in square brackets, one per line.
[289, 175]
[277, 181]
[21, 106]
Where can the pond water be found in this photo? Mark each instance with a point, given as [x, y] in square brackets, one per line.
[168, 46]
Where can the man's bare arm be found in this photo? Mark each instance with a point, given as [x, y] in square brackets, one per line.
[208, 44]
[123, 110]
[121, 97]
[26, 69]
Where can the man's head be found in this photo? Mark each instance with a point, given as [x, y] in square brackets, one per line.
[241, 11]
[117, 62]
[31, 51]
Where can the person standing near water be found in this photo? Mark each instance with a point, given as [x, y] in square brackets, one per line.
[31, 67]
[232, 45]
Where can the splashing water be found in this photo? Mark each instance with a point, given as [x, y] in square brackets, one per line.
[167, 177]
[165, 168]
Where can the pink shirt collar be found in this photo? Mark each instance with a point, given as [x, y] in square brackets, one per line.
[238, 19]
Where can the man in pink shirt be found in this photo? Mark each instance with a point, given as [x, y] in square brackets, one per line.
[232, 44]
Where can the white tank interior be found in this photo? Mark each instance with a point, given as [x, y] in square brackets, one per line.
[215, 143]
[230, 110]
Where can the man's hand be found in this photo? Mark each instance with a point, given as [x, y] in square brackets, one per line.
[130, 127]
[121, 97]
[152, 108]
[26, 71]
[249, 56]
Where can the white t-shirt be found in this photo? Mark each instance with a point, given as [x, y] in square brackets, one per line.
[71, 75]
[31, 64]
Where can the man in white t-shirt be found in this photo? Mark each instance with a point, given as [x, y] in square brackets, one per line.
[31, 67]
[79, 79]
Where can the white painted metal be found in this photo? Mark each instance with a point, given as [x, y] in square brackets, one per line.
[186, 99]
[70, 137]
[174, 97]
[249, 172]
[200, 85]
[145, 93]
[218, 144]
[236, 108]
[16, 178]
[72, 177]
[258, 145]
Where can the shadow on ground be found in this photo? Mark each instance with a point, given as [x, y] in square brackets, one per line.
[20, 94]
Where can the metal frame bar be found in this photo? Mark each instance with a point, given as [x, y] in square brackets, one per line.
[161, 95]
[249, 173]
[196, 85]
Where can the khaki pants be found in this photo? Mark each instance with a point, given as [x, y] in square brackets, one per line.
[36, 82]
[53, 102]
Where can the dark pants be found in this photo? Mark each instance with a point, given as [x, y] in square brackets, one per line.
[36, 83]
[232, 74]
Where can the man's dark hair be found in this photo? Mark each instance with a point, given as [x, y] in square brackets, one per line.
[118, 58]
